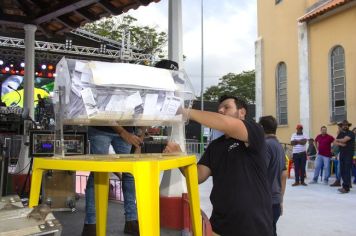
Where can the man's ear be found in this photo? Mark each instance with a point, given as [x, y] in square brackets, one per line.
[242, 113]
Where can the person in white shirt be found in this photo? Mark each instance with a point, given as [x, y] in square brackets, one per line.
[298, 141]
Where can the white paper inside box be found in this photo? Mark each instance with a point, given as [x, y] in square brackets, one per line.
[111, 93]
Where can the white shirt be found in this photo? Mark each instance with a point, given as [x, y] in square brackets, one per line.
[299, 148]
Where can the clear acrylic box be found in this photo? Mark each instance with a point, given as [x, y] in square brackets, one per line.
[96, 93]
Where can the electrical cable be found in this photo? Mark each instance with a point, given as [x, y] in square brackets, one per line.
[9, 86]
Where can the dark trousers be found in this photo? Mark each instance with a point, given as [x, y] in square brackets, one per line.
[345, 169]
[299, 160]
[276, 209]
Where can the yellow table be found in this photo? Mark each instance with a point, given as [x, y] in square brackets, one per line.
[146, 170]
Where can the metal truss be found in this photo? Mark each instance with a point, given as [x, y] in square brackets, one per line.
[96, 38]
[117, 55]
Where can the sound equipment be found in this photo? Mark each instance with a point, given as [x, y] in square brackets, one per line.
[42, 143]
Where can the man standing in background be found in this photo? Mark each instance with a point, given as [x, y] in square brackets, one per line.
[346, 142]
[277, 171]
[298, 141]
[323, 144]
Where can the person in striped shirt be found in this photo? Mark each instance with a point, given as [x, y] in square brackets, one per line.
[298, 141]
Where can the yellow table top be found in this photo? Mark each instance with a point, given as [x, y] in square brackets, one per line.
[91, 162]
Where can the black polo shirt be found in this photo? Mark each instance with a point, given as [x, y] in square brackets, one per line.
[241, 195]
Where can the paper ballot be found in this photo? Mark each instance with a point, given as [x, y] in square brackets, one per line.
[89, 102]
[150, 107]
[171, 105]
[116, 103]
[133, 101]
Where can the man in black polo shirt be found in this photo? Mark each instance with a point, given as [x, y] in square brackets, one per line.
[241, 195]
[346, 141]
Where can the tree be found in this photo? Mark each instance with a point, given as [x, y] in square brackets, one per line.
[241, 85]
[146, 39]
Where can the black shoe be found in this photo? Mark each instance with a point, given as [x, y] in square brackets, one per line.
[304, 184]
[131, 227]
[89, 230]
[335, 184]
[342, 190]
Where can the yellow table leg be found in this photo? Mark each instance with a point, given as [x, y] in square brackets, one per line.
[191, 175]
[36, 180]
[146, 176]
[101, 185]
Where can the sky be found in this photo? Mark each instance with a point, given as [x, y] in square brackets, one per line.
[230, 30]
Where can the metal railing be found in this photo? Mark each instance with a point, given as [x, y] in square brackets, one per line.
[115, 190]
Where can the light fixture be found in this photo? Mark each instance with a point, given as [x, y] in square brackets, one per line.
[43, 67]
[22, 64]
[7, 69]
[1, 62]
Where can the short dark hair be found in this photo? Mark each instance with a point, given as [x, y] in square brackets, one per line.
[269, 124]
[239, 102]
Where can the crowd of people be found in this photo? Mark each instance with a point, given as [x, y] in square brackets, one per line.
[323, 151]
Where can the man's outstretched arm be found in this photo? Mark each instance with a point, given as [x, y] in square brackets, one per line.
[230, 126]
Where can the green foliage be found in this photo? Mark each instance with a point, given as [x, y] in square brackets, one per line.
[241, 85]
[146, 38]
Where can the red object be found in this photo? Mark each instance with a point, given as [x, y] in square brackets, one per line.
[50, 67]
[16, 183]
[171, 212]
[323, 9]
[290, 166]
[299, 126]
[187, 223]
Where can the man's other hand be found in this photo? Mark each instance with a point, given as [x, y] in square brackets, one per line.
[172, 148]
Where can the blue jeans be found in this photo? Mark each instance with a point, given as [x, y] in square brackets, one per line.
[321, 161]
[337, 170]
[100, 142]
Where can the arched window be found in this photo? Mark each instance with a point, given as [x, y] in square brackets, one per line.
[282, 96]
[337, 84]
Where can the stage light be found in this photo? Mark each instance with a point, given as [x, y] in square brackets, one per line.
[7, 69]
[3, 71]
[22, 64]
[40, 74]
[36, 73]
[54, 75]
[43, 67]
[12, 72]
[50, 67]
[50, 75]
[17, 72]
[22, 72]
[1, 62]
[11, 65]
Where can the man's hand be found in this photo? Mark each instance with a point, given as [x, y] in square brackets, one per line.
[172, 148]
[131, 138]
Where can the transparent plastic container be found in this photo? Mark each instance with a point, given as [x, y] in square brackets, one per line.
[110, 94]
[95, 93]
